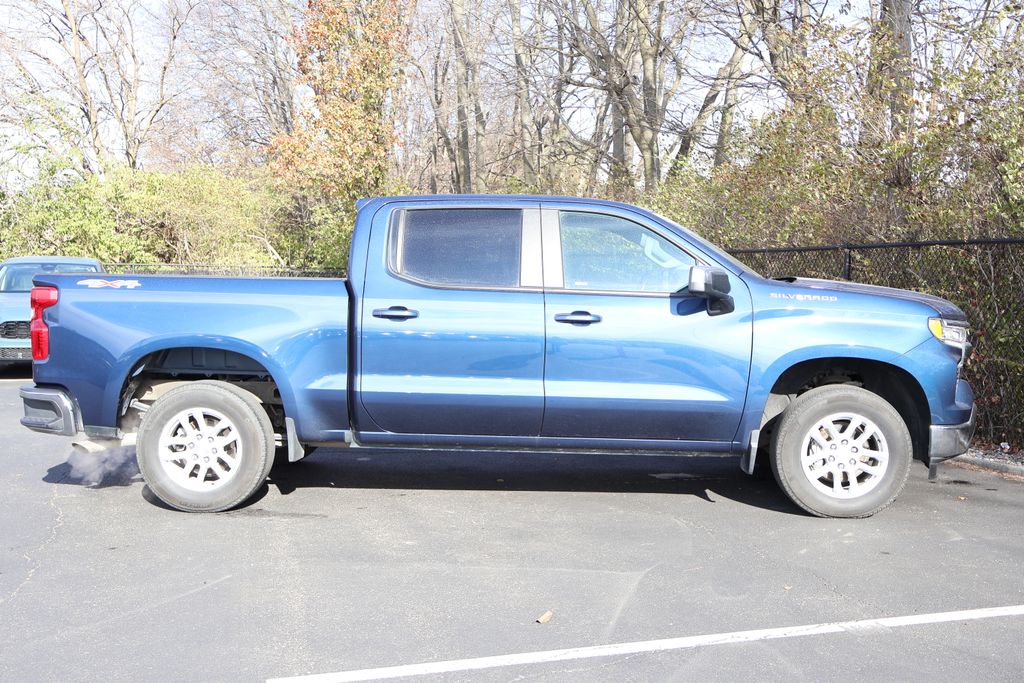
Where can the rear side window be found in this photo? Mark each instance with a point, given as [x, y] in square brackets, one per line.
[459, 247]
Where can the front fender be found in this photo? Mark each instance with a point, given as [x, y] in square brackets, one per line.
[764, 378]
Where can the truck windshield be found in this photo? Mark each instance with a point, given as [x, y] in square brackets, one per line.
[17, 277]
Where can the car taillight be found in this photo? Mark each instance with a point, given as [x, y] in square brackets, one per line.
[42, 298]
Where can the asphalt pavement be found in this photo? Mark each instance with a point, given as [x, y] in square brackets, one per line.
[353, 560]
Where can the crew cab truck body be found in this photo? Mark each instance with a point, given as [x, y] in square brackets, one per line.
[512, 322]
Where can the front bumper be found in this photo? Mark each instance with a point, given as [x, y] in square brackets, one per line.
[949, 441]
[15, 354]
[50, 410]
[15, 342]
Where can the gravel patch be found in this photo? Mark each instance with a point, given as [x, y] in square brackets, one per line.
[995, 459]
[998, 454]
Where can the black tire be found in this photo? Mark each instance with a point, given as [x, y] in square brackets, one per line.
[254, 437]
[837, 496]
[256, 405]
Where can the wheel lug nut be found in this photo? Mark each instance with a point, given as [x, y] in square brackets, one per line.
[852, 461]
[833, 446]
[214, 450]
[211, 439]
[853, 450]
[191, 445]
[206, 459]
[831, 458]
[845, 442]
[840, 465]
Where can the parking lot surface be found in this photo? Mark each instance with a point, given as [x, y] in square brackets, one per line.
[354, 560]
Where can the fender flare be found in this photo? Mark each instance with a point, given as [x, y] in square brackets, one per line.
[128, 364]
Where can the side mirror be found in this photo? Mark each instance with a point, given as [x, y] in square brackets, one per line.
[712, 284]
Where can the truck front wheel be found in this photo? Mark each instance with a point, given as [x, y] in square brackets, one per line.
[205, 446]
[841, 451]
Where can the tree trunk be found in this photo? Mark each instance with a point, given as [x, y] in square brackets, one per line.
[725, 126]
[529, 175]
[462, 104]
[892, 84]
[621, 176]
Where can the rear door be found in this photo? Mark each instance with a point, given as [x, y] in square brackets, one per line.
[626, 357]
[452, 322]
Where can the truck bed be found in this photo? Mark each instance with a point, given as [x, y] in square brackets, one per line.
[293, 331]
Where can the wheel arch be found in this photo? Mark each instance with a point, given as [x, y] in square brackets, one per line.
[891, 382]
[174, 362]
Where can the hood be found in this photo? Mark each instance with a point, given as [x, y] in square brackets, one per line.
[15, 306]
[942, 307]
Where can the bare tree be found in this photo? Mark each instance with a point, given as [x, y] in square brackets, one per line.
[726, 78]
[522, 95]
[891, 78]
[245, 70]
[632, 50]
[782, 26]
[106, 70]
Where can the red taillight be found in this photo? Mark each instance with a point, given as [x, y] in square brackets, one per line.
[42, 298]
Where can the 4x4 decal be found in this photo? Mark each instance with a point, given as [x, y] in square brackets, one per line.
[94, 283]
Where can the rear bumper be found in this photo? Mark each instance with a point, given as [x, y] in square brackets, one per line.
[50, 410]
[949, 441]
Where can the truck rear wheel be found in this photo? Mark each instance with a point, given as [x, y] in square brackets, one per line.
[205, 446]
[841, 451]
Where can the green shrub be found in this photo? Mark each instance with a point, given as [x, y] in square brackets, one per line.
[199, 214]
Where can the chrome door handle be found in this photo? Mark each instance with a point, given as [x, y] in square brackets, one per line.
[577, 318]
[395, 313]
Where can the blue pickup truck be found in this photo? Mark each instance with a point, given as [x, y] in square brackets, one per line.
[507, 322]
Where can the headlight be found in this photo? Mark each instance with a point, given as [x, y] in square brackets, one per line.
[953, 332]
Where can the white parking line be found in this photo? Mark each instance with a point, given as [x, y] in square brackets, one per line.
[859, 626]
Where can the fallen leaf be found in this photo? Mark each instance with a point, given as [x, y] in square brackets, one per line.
[546, 617]
[961, 497]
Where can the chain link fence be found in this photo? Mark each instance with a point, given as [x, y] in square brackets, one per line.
[217, 270]
[983, 277]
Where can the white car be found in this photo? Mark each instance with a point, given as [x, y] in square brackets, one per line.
[15, 313]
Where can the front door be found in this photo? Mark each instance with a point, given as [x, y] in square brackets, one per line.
[626, 357]
[452, 326]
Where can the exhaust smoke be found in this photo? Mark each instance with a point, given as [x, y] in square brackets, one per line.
[94, 464]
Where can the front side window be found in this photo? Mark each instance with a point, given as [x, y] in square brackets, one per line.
[459, 247]
[607, 253]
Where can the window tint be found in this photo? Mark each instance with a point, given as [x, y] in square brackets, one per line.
[606, 253]
[474, 247]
